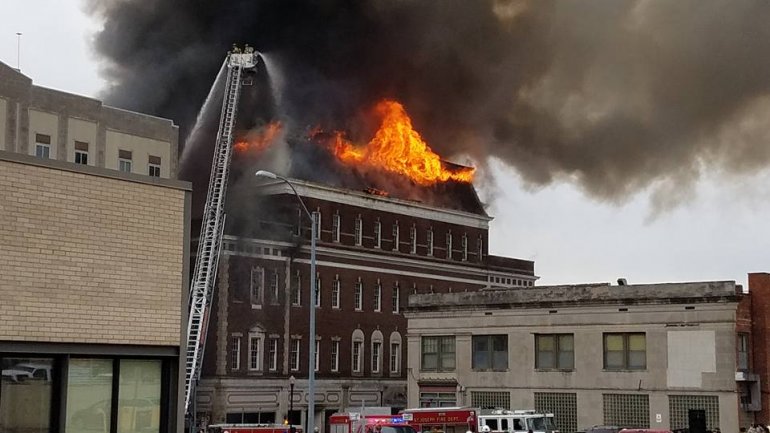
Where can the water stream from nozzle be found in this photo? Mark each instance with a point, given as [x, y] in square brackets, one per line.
[209, 110]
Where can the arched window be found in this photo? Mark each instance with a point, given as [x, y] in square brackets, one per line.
[376, 352]
[256, 348]
[357, 351]
[395, 353]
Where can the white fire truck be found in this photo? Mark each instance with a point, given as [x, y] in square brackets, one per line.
[353, 422]
[502, 420]
[465, 419]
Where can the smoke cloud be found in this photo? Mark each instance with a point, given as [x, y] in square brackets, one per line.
[617, 96]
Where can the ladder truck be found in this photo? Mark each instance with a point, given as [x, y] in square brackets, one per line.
[213, 222]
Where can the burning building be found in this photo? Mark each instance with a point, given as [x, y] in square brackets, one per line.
[395, 220]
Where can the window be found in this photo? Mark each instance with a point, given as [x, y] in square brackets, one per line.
[357, 356]
[335, 364]
[554, 351]
[396, 237]
[139, 395]
[430, 241]
[124, 160]
[88, 381]
[294, 355]
[296, 292]
[316, 354]
[81, 152]
[255, 350]
[42, 146]
[679, 407]
[153, 166]
[395, 357]
[274, 285]
[396, 298]
[377, 233]
[376, 356]
[743, 352]
[480, 248]
[257, 281]
[273, 355]
[359, 295]
[628, 410]
[625, 351]
[27, 383]
[317, 290]
[336, 292]
[235, 352]
[491, 399]
[490, 352]
[563, 405]
[317, 219]
[336, 227]
[359, 230]
[413, 239]
[438, 353]
[438, 399]
[377, 296]
[449, 244]
[465, 247]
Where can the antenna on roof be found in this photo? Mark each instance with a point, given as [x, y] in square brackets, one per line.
[18, 51]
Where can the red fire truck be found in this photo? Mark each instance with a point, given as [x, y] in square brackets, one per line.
[252, 428]
[353, 422]
[442, 419]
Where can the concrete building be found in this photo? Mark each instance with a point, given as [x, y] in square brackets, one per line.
[93, 291]
[374, 250]
[650, 356]
[51, 124]
[754, 347]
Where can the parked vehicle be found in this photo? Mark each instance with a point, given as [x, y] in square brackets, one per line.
[442, 419]
[508, 421]
[465, 419]
[251, 428]
[27, 371]
[354, 422]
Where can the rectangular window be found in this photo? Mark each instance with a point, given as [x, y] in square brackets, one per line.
[449, 245]
[438, 353]
[357, 345]
[359, 230]
[139, 395]
[153, 166]
[317, 219]
[743, 352]
[81, 152]
[273, 355]
[465, 247]
[377, 234]
[317, 354]
[429, 241]
[413, 239]
[318, 290]
[359, 295]
[480, 248]
[296, 290]
[396, 236]
[377, 296]
[124, 160]
[376, 356]
[628, 410]
[490, 352]
[395, 358]
[42, 146]
[335, 364]
[396, 299]
[235, 352]
[255, 358]
[563, 405]
[554, 351]
[275, 279]
[336, 292]
[625, 351]
[294, 355]
[88, 381]
[256, 284]
[336, 227]
[26, 388]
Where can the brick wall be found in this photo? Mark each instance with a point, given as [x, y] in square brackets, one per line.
[89, 258]
[759, 287]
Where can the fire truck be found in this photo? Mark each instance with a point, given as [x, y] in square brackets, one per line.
[252, 428]
[353, 422]
[442, 419]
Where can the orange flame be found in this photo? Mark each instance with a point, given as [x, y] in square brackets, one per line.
[259, 140]
[397, 147]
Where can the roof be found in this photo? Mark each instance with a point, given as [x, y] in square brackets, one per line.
[582, 295]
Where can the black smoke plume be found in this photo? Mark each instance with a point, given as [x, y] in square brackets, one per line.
[618, 96]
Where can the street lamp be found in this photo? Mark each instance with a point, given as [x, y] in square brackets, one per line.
[311, 351]
[291, 402]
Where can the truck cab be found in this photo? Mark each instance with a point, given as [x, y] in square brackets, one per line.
[516, 421]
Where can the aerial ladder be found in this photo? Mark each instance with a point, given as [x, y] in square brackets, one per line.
[213, 222]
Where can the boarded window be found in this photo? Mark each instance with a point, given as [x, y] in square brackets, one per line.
[81, 145]
[42, 139]
[124, 154]
[154, 160]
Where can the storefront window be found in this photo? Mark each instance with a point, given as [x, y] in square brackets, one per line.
[89, 395]
[25, 388]
[139, 396]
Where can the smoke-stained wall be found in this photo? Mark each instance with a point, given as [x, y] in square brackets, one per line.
[617, 96]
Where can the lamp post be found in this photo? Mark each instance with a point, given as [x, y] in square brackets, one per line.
[311, 350]
[291, 403]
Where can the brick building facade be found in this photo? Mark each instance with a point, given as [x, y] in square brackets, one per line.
[373, 252]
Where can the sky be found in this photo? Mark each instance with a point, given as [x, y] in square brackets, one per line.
[719, 233]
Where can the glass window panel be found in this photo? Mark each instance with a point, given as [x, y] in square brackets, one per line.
[637, 359]
[448, 361]
[448, 344]
[500, 360]
[613, 342]
[566, 360]
[25, 394]
[545, 360]
[430, 345]
[89, 395]
[545, 342]
[139, 396]
[429, 361]
[614, 360]
[481, 360]
[636, 342]
[480, 343]
[566, 342]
